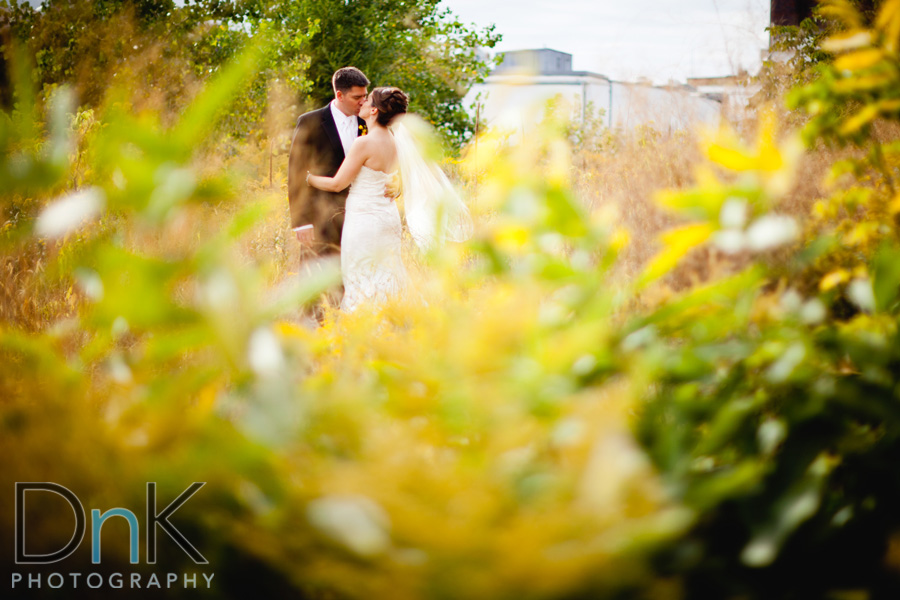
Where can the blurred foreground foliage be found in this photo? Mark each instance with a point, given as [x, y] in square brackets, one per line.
[527, 424]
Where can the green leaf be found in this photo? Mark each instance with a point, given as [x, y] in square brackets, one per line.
[886, 277]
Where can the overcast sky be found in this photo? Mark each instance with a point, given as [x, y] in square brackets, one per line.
[624, 40]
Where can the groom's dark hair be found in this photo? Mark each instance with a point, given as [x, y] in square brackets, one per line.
[348, 77]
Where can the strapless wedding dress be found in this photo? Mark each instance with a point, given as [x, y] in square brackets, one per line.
[371, 263]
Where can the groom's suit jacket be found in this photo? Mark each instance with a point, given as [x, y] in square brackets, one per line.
[317, 148]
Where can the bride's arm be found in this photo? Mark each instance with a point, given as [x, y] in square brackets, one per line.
[348, 171]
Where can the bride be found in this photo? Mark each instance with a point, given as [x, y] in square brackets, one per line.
[371, 264]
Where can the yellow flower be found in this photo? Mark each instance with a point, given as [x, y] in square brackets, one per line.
[834, 279]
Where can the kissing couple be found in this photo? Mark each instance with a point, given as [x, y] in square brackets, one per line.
[359, 141]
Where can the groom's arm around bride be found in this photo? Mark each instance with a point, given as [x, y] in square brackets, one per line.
[322, 139]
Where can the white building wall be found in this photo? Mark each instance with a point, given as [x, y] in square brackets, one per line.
[665, 109]
[517, 102]
[736, 99]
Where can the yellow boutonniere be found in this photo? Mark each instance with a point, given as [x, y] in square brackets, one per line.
[363, 130]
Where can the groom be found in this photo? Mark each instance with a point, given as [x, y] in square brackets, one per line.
[322, 139]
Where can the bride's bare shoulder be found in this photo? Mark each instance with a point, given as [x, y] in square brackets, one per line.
[379, 143]
[368, 141]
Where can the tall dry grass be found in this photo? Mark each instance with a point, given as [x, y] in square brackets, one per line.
[621, 179]
[621, 175]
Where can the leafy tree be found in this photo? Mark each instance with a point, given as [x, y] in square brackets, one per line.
[87, 42]
[167, 48]
[797, 55]
[412, 44]
[161, 50]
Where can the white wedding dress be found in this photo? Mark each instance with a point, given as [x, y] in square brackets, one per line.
[371, 263]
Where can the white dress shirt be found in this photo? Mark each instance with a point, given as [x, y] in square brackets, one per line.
[348, 127]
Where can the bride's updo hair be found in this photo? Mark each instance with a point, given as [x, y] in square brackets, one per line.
[390, 102]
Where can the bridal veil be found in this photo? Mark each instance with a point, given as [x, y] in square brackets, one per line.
[435, 213]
